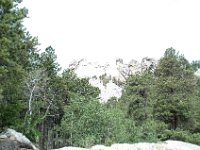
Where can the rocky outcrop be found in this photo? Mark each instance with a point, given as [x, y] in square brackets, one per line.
[167, 145]
[12, 140]
[109, 77]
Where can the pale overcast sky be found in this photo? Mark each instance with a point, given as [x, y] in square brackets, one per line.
[108, 29]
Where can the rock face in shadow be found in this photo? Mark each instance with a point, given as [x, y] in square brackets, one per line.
[167, 145]
[12, 140]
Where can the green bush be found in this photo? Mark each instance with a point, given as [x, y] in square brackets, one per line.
[183, 135]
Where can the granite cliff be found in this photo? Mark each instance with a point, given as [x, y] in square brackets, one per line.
[109, 77]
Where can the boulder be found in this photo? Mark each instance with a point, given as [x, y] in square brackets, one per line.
[7, 144]
[13, 140]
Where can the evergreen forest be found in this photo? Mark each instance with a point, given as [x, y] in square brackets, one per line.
[55, 109]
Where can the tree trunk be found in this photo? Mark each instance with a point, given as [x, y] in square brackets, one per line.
[42, 140]
[175, 121]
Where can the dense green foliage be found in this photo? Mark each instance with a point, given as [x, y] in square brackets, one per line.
[79, 123]
[137, 96]
[56, 110]
[175, 87]
[16, 46]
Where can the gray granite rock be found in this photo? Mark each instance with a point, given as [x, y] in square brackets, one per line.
[13, 140]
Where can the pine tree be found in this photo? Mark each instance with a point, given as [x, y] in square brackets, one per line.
[174, 88]
[16, 46]
[137, 96]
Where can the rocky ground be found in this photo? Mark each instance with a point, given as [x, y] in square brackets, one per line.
[12, 140]
[167, 145]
